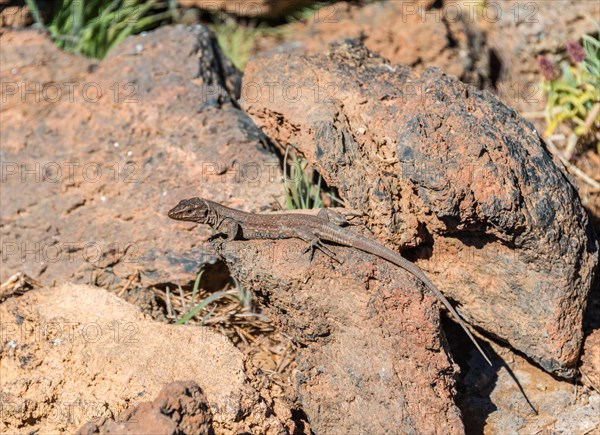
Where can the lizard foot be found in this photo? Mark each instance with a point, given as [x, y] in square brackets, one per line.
[217, 236]
[317, 244]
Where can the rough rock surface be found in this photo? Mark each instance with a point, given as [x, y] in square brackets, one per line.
[521, 398]
[412, 33]
[16, 15]
[452, 173]
[76, 353]
[371, 357]
[590, 361]
[180, 407]
[524, 31]
[491, 45]
[114, 145]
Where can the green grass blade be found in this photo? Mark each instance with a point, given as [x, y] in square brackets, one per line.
[196, 285]
[209, 300]
[35, 12]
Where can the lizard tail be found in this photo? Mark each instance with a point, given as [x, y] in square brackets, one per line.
[392, 257]
[453, 311]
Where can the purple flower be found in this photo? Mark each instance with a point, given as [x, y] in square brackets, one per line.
[547, 68]
[575, 51]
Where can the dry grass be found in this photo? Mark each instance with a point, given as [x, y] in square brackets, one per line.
[232, 313]
[17, 285]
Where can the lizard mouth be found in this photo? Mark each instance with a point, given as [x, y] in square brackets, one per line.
[174, 213]
[188, 210]
[180, 211]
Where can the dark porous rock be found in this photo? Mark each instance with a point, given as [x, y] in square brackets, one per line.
[452, 176]
[180, 407]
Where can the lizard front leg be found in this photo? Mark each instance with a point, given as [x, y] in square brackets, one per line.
[228, 227]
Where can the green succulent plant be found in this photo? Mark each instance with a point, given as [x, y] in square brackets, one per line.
[573, 98]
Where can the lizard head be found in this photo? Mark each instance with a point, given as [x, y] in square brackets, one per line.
[193, 210]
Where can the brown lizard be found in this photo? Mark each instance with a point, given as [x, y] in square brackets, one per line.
[236, 224]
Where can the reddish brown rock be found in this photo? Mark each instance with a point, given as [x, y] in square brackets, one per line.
[451, 173]
[94, 155]
[413, 33]
[76, 354]
[371, 358]
[590, 360]
[490, 45]
[521, 33]
[15, 15]
[180, 407]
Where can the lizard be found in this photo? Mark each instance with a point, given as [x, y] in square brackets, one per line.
[326, 226]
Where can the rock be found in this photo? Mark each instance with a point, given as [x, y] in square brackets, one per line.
[15, 16]
[180, 407]
[371, 357]
[30, 60]
[516, 38]
[489, 45]
[503, 399]
[76, 353]
[413, 33]
[104, 150]
[450, 173]
[590, 361]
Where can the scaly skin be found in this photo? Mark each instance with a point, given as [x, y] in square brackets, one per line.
[237, 224]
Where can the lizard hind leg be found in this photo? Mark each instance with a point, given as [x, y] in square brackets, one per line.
[315, 243]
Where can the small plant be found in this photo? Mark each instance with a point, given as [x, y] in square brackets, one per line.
[236, 41]
[574, 96]
[300, 190]
[94, 27]
[303, 187]
[238, 296]
[306, 12]
[198, 307]
[230, 311]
